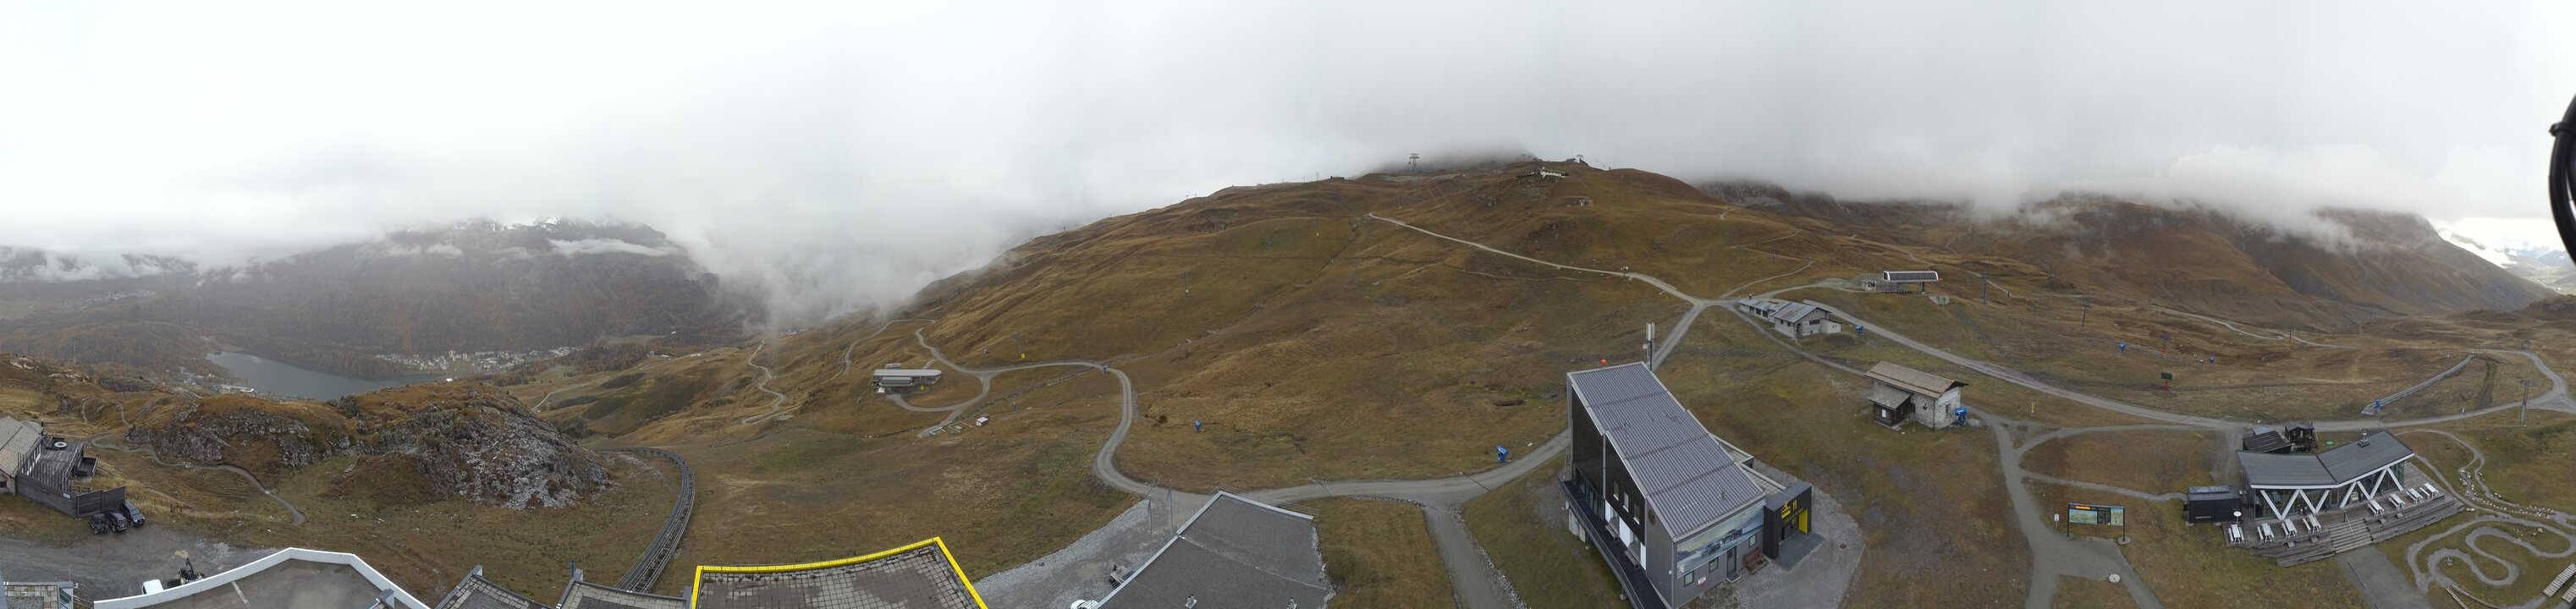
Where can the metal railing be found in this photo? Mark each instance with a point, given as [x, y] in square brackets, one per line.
[648, 568]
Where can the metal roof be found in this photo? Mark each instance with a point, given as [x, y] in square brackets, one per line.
[17, 441]
[1235, 552]
[2372, 452]
[1910, 276]
[917, 576]
[1912, 380]
[1795, 311]
[1888, 395]
[586, 595]
[475, 592]
[906, 372]
[1686, 474]
[293, 578]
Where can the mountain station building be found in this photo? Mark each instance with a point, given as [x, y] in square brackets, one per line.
[1674, 510]
[2289, 484]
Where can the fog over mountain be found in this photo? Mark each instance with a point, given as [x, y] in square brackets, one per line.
[837, 156]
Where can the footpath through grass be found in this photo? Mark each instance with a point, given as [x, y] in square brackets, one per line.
[1521, 525]
[1379, 554]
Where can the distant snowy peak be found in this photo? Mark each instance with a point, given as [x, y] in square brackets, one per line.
[2500, 257]
[28, 265]
[2547, 266]
[471, 242]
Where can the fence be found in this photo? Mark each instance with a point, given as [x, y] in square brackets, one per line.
[648, 568]
[2373, 409]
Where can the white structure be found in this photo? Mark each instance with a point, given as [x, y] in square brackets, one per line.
[2353, 474]
[903, 378]
[293, 578]
[1901, 394]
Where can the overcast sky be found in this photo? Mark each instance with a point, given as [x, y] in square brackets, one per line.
[842, 154]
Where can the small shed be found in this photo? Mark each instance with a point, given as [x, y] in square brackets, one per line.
[1900, 394]
[2213, 504]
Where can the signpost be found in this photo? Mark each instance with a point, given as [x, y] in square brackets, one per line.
[2168, 381]
[2086, 513]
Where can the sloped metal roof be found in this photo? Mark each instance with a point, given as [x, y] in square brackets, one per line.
[1235, 552]
[1795, 312]
[1687, 476]
[1888, 396]
[476, 592]
[1909, 379]
[2373, 451]
[17, 441]
[586, 595]
[2330, 468]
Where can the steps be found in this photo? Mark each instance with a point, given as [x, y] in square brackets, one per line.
[2350, 529]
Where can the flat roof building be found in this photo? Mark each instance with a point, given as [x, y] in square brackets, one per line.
[918, 576]
[293, 578]
[1234, 552]
[2347, 475]
[1900, 394]
[894, 378]
[1673, 509]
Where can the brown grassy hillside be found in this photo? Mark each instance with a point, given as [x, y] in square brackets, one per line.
[2349, 267]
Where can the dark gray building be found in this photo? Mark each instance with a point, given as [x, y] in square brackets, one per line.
[46, 469]
[1234, 552]
[1673, 509]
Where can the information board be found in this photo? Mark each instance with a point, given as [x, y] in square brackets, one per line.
[2085, 513]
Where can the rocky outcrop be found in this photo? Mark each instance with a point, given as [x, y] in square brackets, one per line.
[480, 443]
[264, 437]
[464, 440]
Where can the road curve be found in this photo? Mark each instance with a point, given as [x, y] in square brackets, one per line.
[778, 401]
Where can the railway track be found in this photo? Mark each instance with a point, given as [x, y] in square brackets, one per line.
[648, 568]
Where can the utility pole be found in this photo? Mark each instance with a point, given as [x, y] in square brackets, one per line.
[2525, 410]
[1650, 344]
